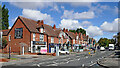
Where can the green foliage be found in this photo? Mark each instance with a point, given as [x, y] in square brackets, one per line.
[72, 31]
[4, 42]
[79, 30]
[5, 16]
[0, 17]
[105, 42]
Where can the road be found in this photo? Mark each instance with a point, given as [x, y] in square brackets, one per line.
[83, 59]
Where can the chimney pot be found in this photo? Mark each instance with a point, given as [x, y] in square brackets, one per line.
[63, 29]
[66, 30]
[54, 27]
[42, 22]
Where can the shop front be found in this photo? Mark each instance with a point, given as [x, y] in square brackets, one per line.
[78, 48]
[38, 47]
[52, 47]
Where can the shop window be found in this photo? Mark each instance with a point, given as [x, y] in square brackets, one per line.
[41, 37]
[18, 33]
[33, 36]
[52, 39]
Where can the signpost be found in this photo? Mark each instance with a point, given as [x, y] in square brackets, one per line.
[57, 50]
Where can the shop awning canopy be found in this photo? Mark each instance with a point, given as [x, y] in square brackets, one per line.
[76, 45]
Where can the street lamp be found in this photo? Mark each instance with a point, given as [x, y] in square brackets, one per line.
[9, 52]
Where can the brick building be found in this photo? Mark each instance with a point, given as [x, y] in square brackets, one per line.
[28, 35]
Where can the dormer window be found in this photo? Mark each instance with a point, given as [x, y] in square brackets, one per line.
[41, 30]
[77, 37]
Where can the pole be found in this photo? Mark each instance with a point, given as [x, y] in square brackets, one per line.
[9, 53]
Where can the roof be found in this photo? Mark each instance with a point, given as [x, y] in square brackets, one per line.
[5, 32]
[71, 34]
[32, 26]
[85, 38]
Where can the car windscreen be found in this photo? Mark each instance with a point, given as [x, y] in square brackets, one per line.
[110, 46]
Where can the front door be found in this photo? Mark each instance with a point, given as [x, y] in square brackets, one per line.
[33, 49]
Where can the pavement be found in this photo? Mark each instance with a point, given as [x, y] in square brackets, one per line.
[112, 61]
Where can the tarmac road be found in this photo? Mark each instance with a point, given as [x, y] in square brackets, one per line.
[83, 59]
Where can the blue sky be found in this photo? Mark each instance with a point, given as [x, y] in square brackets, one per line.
[100, 19]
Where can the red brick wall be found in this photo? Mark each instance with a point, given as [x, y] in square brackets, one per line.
[37, 37]
[14, 43]
[56, 40]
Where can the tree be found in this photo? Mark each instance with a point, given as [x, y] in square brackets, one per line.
[106, 42]
[79, 30]
[72, 31]
[4, 42]
[0, 17]
[5, 16]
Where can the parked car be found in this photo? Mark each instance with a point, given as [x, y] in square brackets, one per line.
[63, 51]
[111, 46]
[102, 48]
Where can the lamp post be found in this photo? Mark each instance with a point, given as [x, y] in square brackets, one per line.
[9, 52]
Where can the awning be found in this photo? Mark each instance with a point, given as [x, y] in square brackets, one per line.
[76, 45]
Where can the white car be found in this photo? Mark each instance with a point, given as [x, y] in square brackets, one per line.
[102, 48]
[64, 52]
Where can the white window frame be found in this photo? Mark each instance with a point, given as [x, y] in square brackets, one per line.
[41, 29]
[52, 39]
[73, 41]
[59, 40]
[33, 36]
[9, 37]
[41, 37]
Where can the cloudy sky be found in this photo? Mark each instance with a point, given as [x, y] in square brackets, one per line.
[99, 19]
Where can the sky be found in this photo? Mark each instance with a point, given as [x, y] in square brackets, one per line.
[99, 19]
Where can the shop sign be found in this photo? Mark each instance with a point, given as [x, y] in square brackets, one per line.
[39, 43]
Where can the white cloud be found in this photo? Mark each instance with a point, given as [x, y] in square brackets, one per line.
[55, 8]
[111, 27]
[83, 4]
[9, 27]
[37, 15]
[62, 7]
[86, 23]
[69, 24]
[94, 31]
[32, 5]
[83, 15]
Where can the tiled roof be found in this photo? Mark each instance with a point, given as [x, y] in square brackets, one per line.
[85, 38]
[71, 34]
[32, 25]
[5, 32]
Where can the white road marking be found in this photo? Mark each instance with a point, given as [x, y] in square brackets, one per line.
[92, 64]
[83, 65]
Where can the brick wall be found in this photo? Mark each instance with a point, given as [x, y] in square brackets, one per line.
[14, 43]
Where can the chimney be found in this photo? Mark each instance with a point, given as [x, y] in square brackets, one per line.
[66, 30]
[42, 22]
[83, 34]
[76, 33]
[38, 22]
[87, 36]
[79, 33]
[63, 29]
[54, 27]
